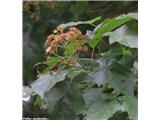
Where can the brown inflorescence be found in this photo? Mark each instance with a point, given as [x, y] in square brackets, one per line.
[58, 35]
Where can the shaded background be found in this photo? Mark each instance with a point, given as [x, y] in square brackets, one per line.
[40, 18]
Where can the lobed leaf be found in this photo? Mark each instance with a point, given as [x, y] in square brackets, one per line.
[64, 101]
[46, 81]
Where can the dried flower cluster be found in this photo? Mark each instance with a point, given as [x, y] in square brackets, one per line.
[58, 37]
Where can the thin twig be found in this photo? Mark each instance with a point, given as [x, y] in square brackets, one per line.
[92, 53]
[93, 25]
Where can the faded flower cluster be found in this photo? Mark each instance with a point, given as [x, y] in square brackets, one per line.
[60, 36]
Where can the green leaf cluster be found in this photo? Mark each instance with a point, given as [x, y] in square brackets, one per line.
[96, 88]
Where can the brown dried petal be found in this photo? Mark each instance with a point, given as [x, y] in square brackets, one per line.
[50, 37]
[48, 49]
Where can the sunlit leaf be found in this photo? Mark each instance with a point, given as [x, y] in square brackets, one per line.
[46, 81]
[122, 36]
[107, 26]
[27, 92]
[93, 20]
[132, 15]
[90, 22]
[70, 24]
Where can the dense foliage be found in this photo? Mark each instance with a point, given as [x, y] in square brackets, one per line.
[89, 74]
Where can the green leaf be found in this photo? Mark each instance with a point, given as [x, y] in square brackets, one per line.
[53, 95]
[116, 49]
[120, 116]
[131, 15]
[71, 48]
[122, 36]
[89, 22]
[74, 98]
[107, 26]
[130, 105]
[96, 39]
[103, 110]
[46, 81]
[50, 64]
[39, 101]
[128, 61]
[68, 95]
[89, 64]
[81, 77]
[66, 90]
[62, 111]
[96, 69]
[121, 78]
[93, 20]
[100, 75]
[71, 24]
[111, 24]
[93, 95]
